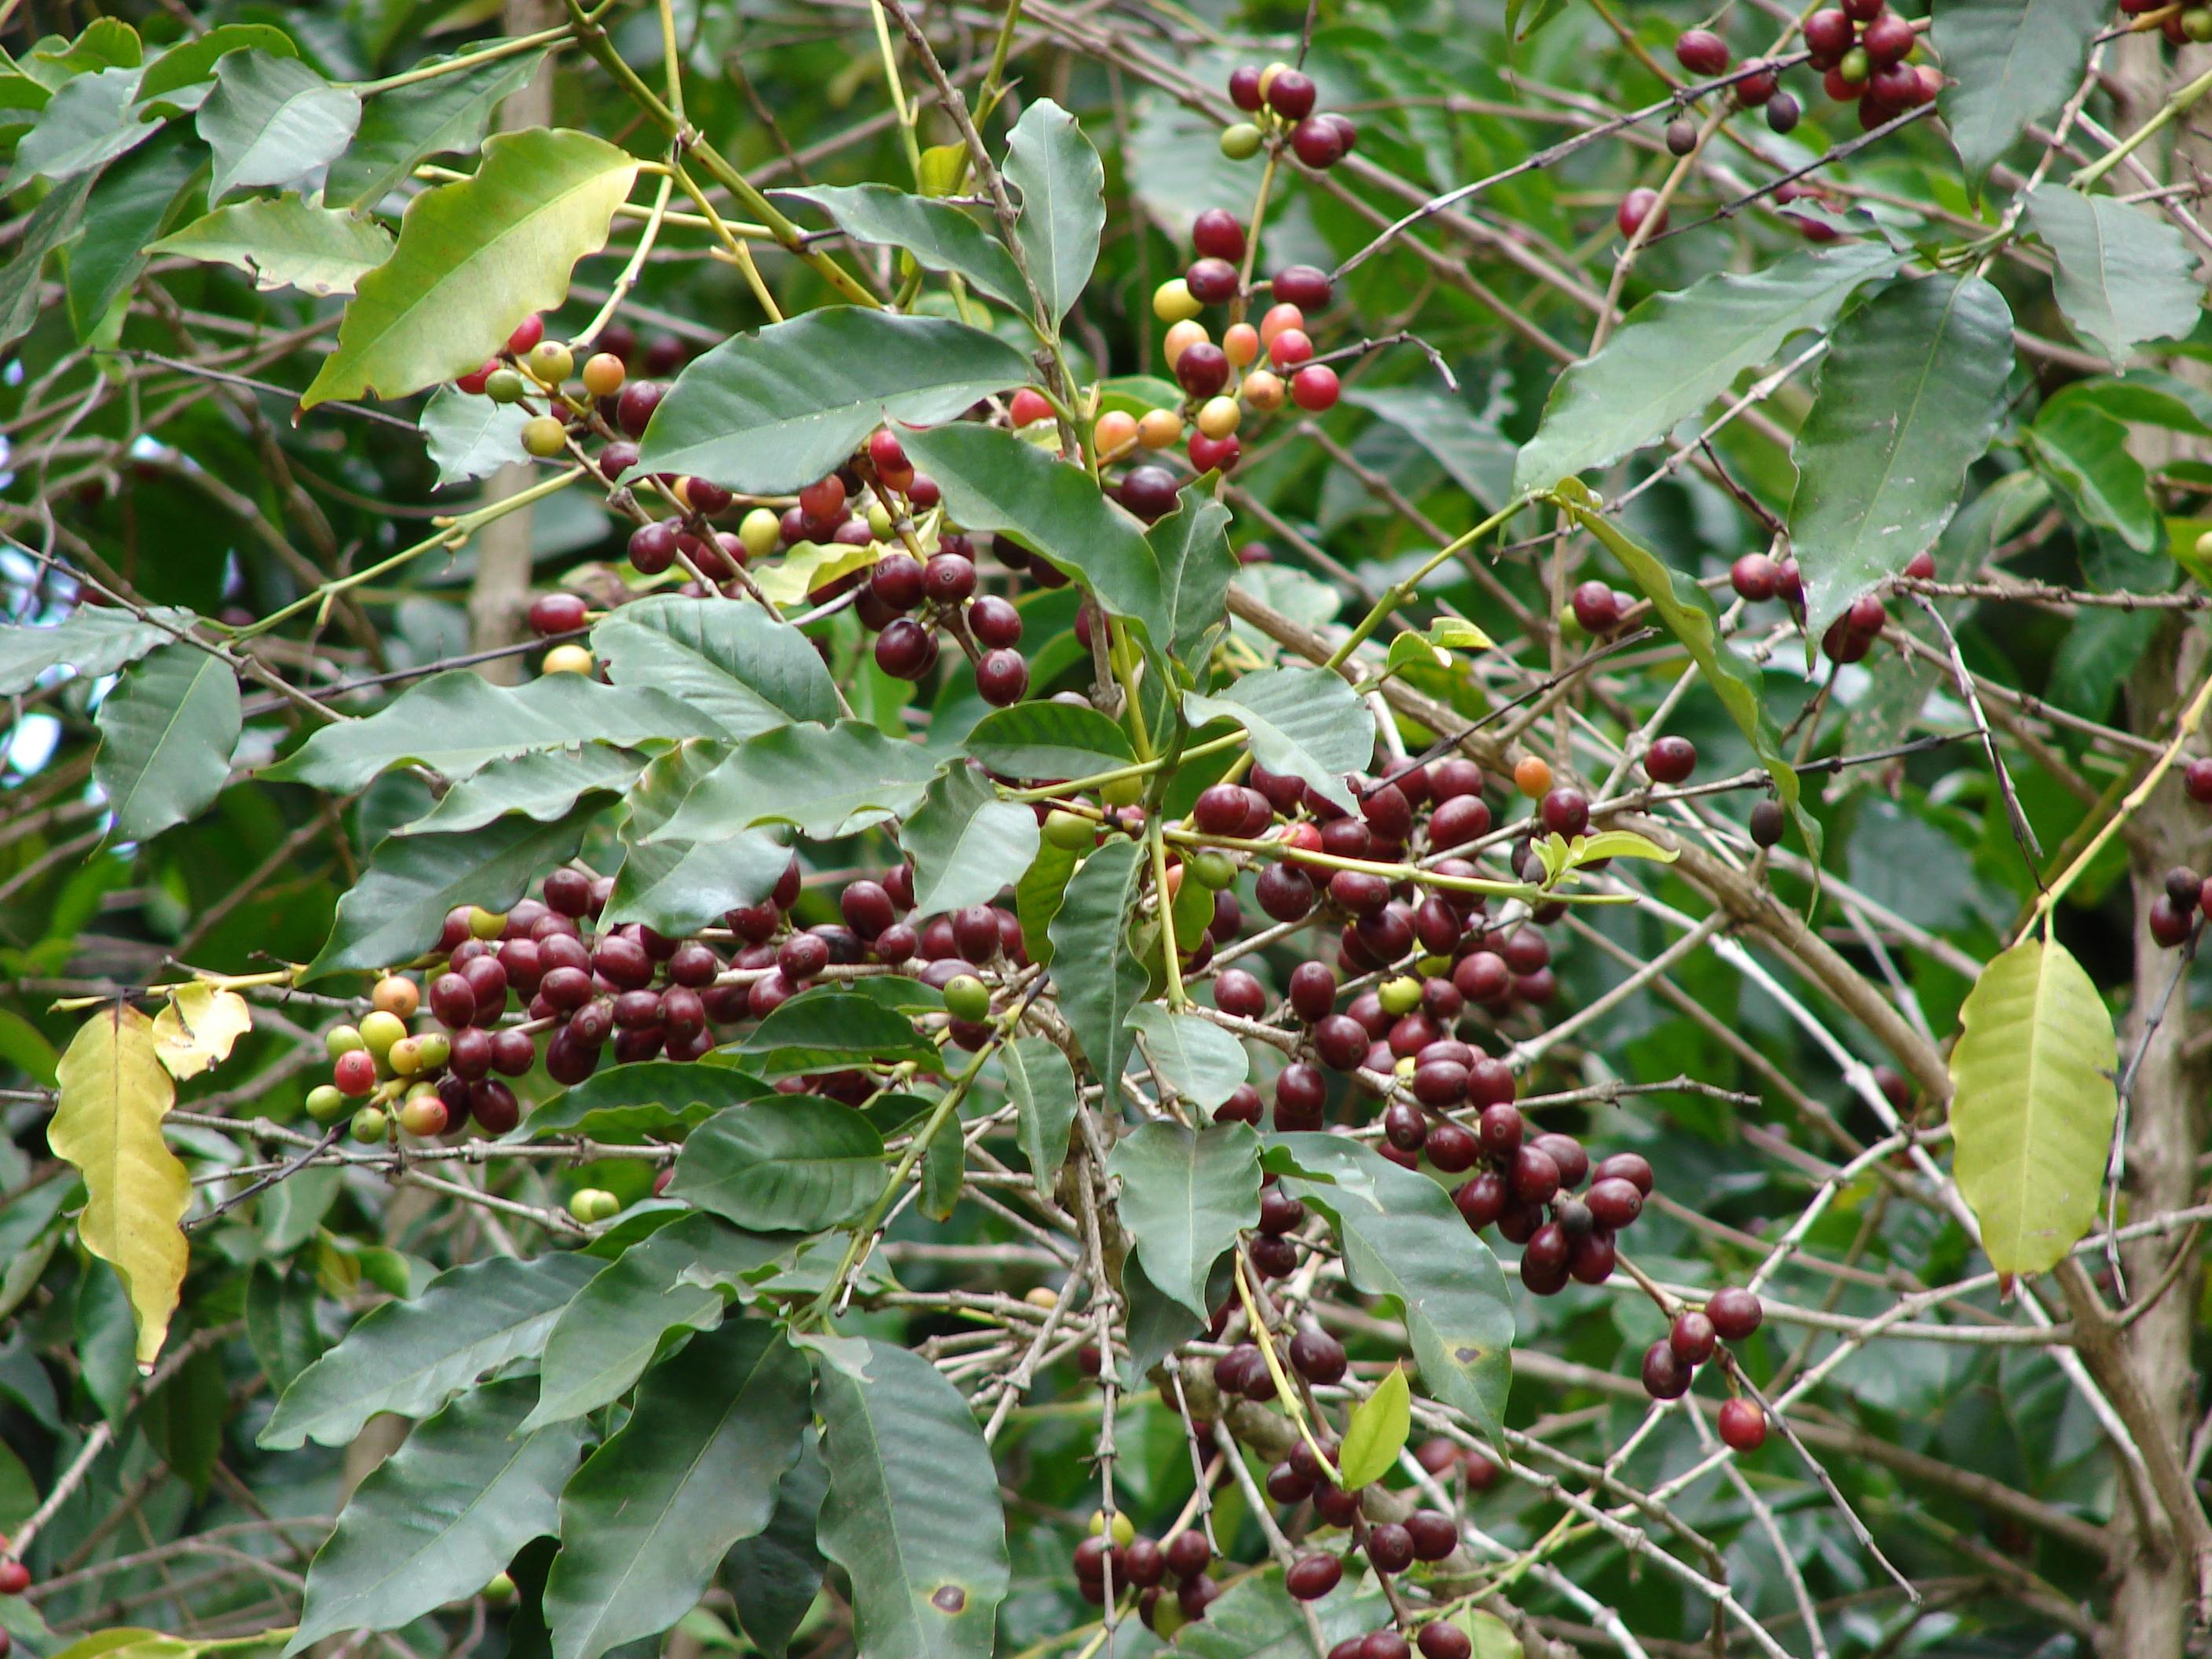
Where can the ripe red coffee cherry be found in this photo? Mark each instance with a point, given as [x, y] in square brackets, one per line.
[1286, 894]
[2170, 925]
[1701, 52]
[1438, 1640]
[1614, 1203]
[1236, 992]
[1435, 1534]
[1212, 282]
[1451, 1148]
[1389, 1547]
[1280, 1213]
[1002, 677]
[634, 404]
[824, 500]
[1312, 1577]
[1217, 235]
[1566, 812]
[1318, 141]
[528, 333]
[556, 613]
[1533, 1176]
[994, 621]
[1481, 1201]
[1734, 1311]
[452, 1001]
[1567, 1153]
[803, 957]
[1312, 991]
[1189, 1554]
[1291, 94]
[354, 1072]
[1340, 1041]
[1220, 810]
[1755, 577]
[906, 650]
[1783, 112]
[1301, 1096]
[1665, 1376]
[948, 578]
[896, 580]
[1670, 760]
[1287, 1485]
[1635, 208]
[1500, 1128]
[1887, 39]
[1691, 1337]
[1742, 1424]
[1828, 33]
[1150, 491]
[1203, 369]
[1304, 286]
[1597, 607]
[1318, 1357]
[2196, 780]
[1244, 87]
[1753, 90]
[1384, 1643]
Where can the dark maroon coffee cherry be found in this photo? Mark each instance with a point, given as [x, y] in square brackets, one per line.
[1189, 1554]
[1312, 1577]
[1596, 607]
[1002, 677]
[452, 1001]
[1735, 1313]
[1318, 1357]
[1217, 235]
[1614, 1203]
[1631, 1167]
[1404, 1125]
[1301, 1097]
[1532, 1175]
[1742, 1424]
[1340, 1041]
[1887, 39]
[948, 578]
[1202, 369]
[1286, 894]
[1291, 94]
[1318, 141]
[569, 891]
[1566, 812]
[1389, 1547]
[2196, 780]
[1566, 1152]
[1435, 1534]
[1691, 1337]
[1670, 760]
[1702, 52]
[1150, 491]
[556, 613]
[652, 547]
[1500, 1128]
[866, 908]
[1755, 577]
[1482, 1200]
[1451, 1148]
[1242, 1107]
[1304, 286]
[994, 621]
[896, 580]
[1337, 1506]
[1767, 820]
[1211, 281]
[1287, 1485]
[1665, 1374]
[1280, 1213]
[803, 957]
[1828, 33]
[634, 404]
[1592, 1256]
[906, 650]
[2170, 925]
[1784, 112]
[1438, 1640]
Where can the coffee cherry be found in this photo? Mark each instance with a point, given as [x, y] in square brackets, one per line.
[1438, 1640]
[1635, 208]
[544, 436]
[369, 1125]
[1202, 369]
[1783, 115]
[1532, 776]
[1702, 52]
[1242, 141]
[1670, 760]
[1734, 1311]
[1291, 94]
[1150, 491]
[1828, 33]
[1312, 1577]
[1318, 141]
[2196, 780]
[1755, 577]
[1287, 1485]
[1318, 1357]
[14, 1577]
[1217, 235]
[423, 1116]
[1236, 992]
[1189, 1554]
[528, 333]
[1665, 1376]
[1681, 136]
[906, 650]
[1389, 1547]
[1742, 1424]
[1315, 388]
[1301, 1095]
[2170, 925]
[1691, 1337]
[1305, 287]
[1566, 812]
[1002, 677]
[556, 613]
[1286, 894]
[354, 1073]
[1767, 821]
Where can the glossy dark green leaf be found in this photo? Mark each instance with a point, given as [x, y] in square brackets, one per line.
[778, 409]
[1185, 1195]
[397, 907]
[669, 1281]
[1194, 1057]
[1403, 1237]
[647, 1519]
[993, 480]
[272, 120]
[284, 241]
[2006, 63]
[1469, 447]
[1910, 393]
[824, 781]
[659, 1097]
[677, 887]
[457, 721]
[1062, 186]
[191, 62]
[940, 237]
[53, 223]
[1679, 351]
[1049, 739]
[1038, 897]
[412, 1357]
[401, 126]
[828, 1028]
[913, 1512]
[184, 1419]
[776, 1574]
[965, 843]
[782, 1163]
[2125, 275]
[544, 785]
[1687, 611]
[134, 200]
[87, 123]
[2086, 452]
[1191, 545]
[1098, 975]
[1304, 721]
[438, 1518]
[1041, 1085]
[166, 731]
[733, 662]
[943, 1172]
[280, 1323]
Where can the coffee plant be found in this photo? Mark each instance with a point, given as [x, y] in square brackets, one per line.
[916, 827]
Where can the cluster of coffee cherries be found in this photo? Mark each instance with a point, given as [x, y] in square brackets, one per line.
[2192, 23]
[2173, 913]
[1864, 51]
[1146, 1565]
[532, 366]
[1280, 100]
[1757, 578]
[1730, 1314]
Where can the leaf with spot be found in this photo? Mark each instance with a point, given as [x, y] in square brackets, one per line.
[913, 1512]
[1062, 186]
[1303, 721]
[166, 735]
[1185, 1195]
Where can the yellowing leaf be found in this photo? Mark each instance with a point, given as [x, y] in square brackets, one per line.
[2032, 1104]
[197, 1028]
[1620, 844]
[1377, 1431]
[808, 566]
[114, 1094]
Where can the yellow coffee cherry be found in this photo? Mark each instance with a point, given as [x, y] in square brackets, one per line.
[1115, 431]
[1124, 1529]
[1042, 1297]
[406, 1056]
[379, 1031]
[544, 436]
[604, 374]
[550, 362]
[1219, 416]
[879, 521]
[761, 531]
[1161, 429]
[569, 659]
[395, 993]
[1240, 344]
[486, 924]
[1173, 302]
[1262, 390]
[1180, 338]
[1267, 77]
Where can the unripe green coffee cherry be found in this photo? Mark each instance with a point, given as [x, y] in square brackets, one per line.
[2197, 23]
[879, 521]
[342, 1040]
[325, 1103]
[500, 1591]
[504, 385]
[544, 436]
[968, 997]
[1071, 832]
[1242, 141]
[1122, 791]
[1401, 995]
[1854, 65]
[1125, 1530]
[435, 1047]
[369, 1125]
[605, 1206]
[1212, 871]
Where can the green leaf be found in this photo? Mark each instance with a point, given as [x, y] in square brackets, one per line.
[1432, 647]
[2085, 450]
[1098, 975]
[829, 1028]
[2032, 1104]
[1909, 395]
[401, 126]
[412, 1357]
[85, 125]
[647, 1519]
[677, 887]
[1038, 898]
[284, 242]
[1304, 721]
[130, 203]
[1256, 1618]
[543, 785]
[438, 1518]
[2125, 275]
[825, 783]
[280, 1320]
[992, 481]
[190, 62]
[1376, 1433]
[398, 905]
[1041, 1085]
[166, 734]
[965, 843]
[1191, 545]
[782, 1163]
[2007, 64]
[734, 664]
[941, 237]
[669, 1281]
[1049, 739]
[1403, 1239]
[55, 223]
[272, 120]
[1185, 1195]
[1062, 183]
[475, 257]
[1196, 1058]
[660, 1098]
[94, 639]
[777, 409]
[1688, 610]
[472, 438]
[1473, 452]
[776, 1574]
[1677, 352]
[913, 1512]
[456, 722]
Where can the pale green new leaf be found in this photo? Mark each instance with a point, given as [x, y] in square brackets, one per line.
[1376, 1433]
[284, 242]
